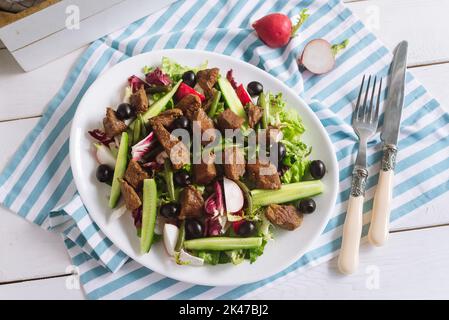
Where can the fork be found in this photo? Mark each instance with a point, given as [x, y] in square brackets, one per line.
[365, 120]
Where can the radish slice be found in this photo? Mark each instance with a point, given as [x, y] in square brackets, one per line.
[159, 225]
[318, 57]
[171, 233]
[104, 155]
[233, 196]
[185, 258]
[118, 213]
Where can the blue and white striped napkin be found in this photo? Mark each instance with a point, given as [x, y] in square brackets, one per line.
[38, 184]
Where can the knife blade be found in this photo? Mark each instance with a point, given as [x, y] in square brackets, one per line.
[380, 216]
[395, 97]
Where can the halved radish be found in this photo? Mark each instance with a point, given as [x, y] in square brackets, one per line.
[233, 196]
[104, 155]
[185, 258]
[118, 213]
[318, 57]
[171, 233]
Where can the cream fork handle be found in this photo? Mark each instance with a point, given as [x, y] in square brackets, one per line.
[348, 261]
[380, 218]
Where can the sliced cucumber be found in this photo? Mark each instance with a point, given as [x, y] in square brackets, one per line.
[262, 103]
[231, 98]
[287, 193]
[222, 243]
[181, 236]
[159, 105]
[136, 130]
[168, 177]
[119, 171]
[149, 210]
[214, 105]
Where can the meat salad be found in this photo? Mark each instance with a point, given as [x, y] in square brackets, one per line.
[206, 165]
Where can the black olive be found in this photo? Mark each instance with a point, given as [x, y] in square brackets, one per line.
[194, 229]
[181, 123]
[254, 88]
[124, 111]
[169, 210]
[105, 173]
[246, 229]
[189, 78]
[317, 169]
[282, 151]
[182, 178]
[307, 206]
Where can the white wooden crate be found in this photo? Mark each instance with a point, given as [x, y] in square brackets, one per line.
[53, 32]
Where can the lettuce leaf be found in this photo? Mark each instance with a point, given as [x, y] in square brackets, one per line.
[253, 254]
[236, 256]
[176, 70]
[209, 257]
[290, 123]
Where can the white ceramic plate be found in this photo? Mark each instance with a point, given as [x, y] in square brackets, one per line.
[287, 247]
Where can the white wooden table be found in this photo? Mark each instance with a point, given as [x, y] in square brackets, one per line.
[414, 264]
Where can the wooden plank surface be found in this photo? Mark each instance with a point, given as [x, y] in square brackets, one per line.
[413, 265]
[423, 23]
[48, 289]
[25, 95]
[387, 273]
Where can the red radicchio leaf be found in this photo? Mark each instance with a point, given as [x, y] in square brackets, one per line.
[152, 165]
[212, 227]
[135, 83]
[213, 206]
[99, 135]
[230, 77]
[142, 147]
[157, 78]
[219, 197]
[137, 216]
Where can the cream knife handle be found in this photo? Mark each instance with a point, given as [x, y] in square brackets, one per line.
[380, 217]
[348, 261]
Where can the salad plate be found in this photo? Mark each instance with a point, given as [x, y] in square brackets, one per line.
[285, 248]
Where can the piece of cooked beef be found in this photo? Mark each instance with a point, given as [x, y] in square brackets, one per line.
[178, 152]
[201, 121]
[191, 203]
[189, 105]
[254, 114]
[274, 134]
[167, 117]
[135, 175]
[112, 125]
[229, 120]
[205, 171]
[234, 163]
[284, 216]
[263, 175]
[132, 199]
[207, 79]
[139, 100]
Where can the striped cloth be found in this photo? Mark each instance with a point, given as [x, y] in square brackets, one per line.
[38, 184]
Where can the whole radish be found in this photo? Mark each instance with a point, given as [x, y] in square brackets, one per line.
[276, 29]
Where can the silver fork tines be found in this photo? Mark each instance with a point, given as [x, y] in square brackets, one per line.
[365, 121]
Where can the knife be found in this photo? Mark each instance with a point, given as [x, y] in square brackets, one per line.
[380, 218]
